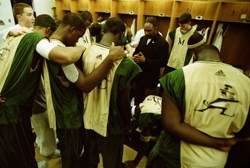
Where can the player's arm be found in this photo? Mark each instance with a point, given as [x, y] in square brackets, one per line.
[88, 82]
[60, 55]
[172, 122]
[19, 31]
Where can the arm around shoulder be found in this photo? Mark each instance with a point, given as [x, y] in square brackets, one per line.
[172, 122]
[60, 55]
[86, 83]
[90, 81]
[66, 55]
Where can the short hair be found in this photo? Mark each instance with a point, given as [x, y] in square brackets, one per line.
[95, 29]
[185, 18]
[207, 47]
[74, 20]
[46, 21]
[19, 8]
[86, 15]
[196, 40]
[151, 20]
[114, 25]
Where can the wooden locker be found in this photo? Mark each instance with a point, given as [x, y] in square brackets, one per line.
[158, 8]
[127, 7]
[229, 11]
[66, 5]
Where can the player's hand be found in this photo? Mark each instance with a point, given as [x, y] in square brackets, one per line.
[19, 31]
[226, 144]
[2, 99]
[139, 58]
[116, 52]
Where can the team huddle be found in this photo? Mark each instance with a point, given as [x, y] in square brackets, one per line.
[72, 81]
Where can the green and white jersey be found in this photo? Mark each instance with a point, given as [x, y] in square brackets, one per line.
[20, 66]
[151, 104]
[216, 105]
[177, 57]
[100, 105]
[64, 96]
[150, 111]
[212, 97]
[86, 40]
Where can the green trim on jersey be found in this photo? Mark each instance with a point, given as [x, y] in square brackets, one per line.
[125, 72]
[66, 99]
[22, 81]
[168, 146]
[189, 54]
[173, 84]
[172, 35]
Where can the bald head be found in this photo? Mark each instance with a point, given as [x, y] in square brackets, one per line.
[207, 52]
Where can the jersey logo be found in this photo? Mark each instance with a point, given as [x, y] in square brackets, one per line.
[99, 57]
[181, 42]
[35, 68]
[228, 96]
[3, 53]
[220, 73]
[85, 40]
[156, 99]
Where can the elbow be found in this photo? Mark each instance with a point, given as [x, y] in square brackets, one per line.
[168, 126]
[61, 56]
[69, 56]
[85, 89]
[88, 90]
[63, 59]
[85, 84]
[66, 59]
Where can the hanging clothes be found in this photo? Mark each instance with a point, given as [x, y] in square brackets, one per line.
[218, 36]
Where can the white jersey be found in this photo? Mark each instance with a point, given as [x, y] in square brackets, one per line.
[178, 53]
[96, 102]
[86, 40]
[219, 109]
[151, 104]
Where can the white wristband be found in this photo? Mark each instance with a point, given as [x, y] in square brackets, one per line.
[44, 47]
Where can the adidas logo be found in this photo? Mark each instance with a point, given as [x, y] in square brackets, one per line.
[220, 73]
[99, 56]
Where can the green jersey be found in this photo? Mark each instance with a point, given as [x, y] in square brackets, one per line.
[66, 98]
[20, 75]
